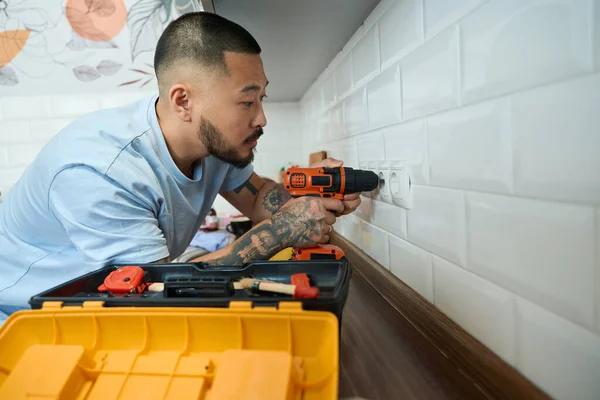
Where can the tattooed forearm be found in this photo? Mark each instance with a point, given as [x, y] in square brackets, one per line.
[298, 225]
[275, 198]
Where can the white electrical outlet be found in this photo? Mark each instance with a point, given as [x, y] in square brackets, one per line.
[399, 184]
[384, 185]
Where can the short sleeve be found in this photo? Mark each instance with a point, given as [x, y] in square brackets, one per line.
[236, 177]
[106, 223]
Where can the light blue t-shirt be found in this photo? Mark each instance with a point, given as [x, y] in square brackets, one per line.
[104, 190]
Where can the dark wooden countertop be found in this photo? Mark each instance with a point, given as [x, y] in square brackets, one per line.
[396, 345]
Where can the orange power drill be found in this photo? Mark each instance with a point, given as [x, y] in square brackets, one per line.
[329, 182]
[326, 182]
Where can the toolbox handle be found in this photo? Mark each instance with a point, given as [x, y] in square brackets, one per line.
[209, 267]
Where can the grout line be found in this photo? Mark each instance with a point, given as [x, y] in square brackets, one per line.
[422, 5]
[517, 349]
[575, 203]
[459, 64]
[433, 280]
[596, 305]
[511, 146]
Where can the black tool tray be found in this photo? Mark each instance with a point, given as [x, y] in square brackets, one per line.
[332, 277]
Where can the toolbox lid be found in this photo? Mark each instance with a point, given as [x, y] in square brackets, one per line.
[96, 352]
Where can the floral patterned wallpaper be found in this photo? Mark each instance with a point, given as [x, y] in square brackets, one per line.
[71, 46]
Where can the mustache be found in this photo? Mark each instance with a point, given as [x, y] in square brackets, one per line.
[257, 134]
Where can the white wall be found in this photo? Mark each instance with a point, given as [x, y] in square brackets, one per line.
[27, 123]
[496, 106]
[279, 147]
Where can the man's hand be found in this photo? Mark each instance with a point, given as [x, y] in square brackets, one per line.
[301, 222]
[351, 201]
[306, 221]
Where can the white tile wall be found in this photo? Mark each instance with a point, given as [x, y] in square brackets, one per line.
[379, 10]
[408, 142]
[4, 158]
[557, 355]
[14, 131]
[542, 251]
[337, 126]
[470, 147]
[355, 112]
[400, 30]
[596, 37]
[389, 218]
[328, 92]
[371, 147]
[15, 108]
[483, 309]
[383, 99]
[365, 58]
[508, 45]
[437, 222]
[500, 132]
[343, 77]
[557, 141]
[375, 243]
[439, 14]
[597, 270]
[430, 76]
[352, 229]
[412, 265]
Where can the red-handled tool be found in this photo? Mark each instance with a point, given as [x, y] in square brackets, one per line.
[128, 279]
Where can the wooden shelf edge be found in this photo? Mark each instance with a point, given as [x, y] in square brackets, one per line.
[496, 378]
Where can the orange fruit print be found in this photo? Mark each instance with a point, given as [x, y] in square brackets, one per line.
[11, 44]
[96, 20]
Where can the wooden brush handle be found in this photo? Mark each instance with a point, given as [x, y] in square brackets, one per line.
[277, 287]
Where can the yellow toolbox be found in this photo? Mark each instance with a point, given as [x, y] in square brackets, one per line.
[240, 352]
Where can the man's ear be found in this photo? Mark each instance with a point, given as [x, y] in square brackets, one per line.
[181, 102]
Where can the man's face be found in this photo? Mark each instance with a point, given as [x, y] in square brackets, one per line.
[233, 118]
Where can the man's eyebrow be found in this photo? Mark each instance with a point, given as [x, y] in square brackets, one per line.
[251, 88]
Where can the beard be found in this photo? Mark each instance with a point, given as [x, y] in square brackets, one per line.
[218, 146]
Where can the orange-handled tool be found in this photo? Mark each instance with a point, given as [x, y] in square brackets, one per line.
[329, 182]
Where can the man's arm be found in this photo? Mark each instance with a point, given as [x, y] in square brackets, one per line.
[301, 222]
[105, 223]
[258, 199]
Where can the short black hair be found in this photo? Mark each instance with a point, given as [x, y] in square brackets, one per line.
[203, 38]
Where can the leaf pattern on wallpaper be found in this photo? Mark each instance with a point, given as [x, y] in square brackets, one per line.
[86, 73]
[108, 67]
[84, 24]
[8, 76]
[104, 8]
[145, 21]
[77, 43]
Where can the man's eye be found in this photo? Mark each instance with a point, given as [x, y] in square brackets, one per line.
[247, 104]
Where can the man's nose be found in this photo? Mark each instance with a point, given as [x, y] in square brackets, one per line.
[261, 119]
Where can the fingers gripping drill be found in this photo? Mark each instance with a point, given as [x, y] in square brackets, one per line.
[327, 182]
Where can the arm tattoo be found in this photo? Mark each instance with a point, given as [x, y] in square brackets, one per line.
[275, 198]
[248, 185]
[296, 226]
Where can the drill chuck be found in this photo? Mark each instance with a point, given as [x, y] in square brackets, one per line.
[358, 180]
